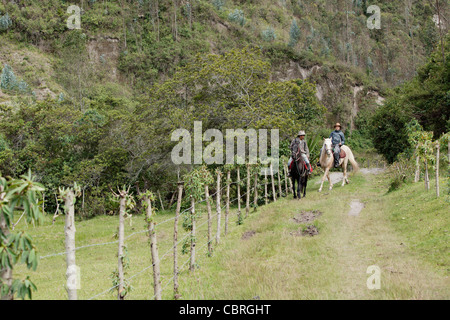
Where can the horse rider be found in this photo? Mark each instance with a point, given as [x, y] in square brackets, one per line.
[337, 140]
[300, 146]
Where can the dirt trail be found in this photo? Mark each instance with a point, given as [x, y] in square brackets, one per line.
[337, 177]
[364, 237]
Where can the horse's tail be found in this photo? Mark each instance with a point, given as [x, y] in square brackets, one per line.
[352, 160]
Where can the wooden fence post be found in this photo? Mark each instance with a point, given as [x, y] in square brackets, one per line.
[291, 187]
[192, 260]
[154, 250]
[437, 168]
[285, 181]
[175, 240]
[69, 231]
[160, 200]
[121, 237]
[239, 192]
[427, 179]
[208, 207]
[448, 151]
[255, 199]
[218, 208]
[273, 183]
[417, 173]
[227, 210]
[280, 191]
[247, 202]
[266, 181]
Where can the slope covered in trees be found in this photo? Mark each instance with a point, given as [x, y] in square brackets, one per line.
[137, 70]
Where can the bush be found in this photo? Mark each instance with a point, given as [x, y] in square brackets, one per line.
[401, 171]
[268, 34]
[237, 16]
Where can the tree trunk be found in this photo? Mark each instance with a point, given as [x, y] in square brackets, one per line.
[175, 240]
[160, 201]
[218, 208]
[154, 251]
[69, 231]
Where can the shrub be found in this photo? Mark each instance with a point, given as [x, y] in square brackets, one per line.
[237, 16]
[294, 34]
[5, 22]
[268, 34]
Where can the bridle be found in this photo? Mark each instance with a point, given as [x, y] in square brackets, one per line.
[328, 150]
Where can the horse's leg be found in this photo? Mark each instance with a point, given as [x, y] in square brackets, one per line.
[344, 167]
[323, 179]
[299, 189]
[304, 187]
[329, 180]
[346, 172]
[293, 187]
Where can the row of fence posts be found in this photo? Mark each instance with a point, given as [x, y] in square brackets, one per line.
[70, 229]
[426, 173]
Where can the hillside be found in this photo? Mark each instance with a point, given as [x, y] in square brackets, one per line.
[134, 44]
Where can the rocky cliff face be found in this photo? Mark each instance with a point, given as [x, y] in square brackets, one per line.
[341, 94]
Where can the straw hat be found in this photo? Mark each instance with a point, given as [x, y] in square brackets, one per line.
[301, 133]
[338, 125]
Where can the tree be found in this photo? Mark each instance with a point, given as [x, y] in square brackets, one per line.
[18, 195]
[294, 34]
[8, 79]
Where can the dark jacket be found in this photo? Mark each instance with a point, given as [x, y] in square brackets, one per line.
[297, 144]
[337, 137]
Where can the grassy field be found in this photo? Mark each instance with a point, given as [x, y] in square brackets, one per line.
[404, 233]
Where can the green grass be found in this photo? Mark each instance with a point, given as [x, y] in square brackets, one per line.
[404, 232]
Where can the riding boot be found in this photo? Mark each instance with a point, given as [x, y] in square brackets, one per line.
[309, 168]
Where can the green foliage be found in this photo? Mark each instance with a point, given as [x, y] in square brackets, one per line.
[8, 79]
[268, 34]
[195, 182]
[400, 172]
[5, 22]
[237, 16]
[19, 195]
[294, 34]
[423, 100]
[9, 82]
[218, 4]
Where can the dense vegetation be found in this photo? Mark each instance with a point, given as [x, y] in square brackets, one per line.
[98, 105]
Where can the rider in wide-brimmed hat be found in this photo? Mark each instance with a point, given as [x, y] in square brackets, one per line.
[337, 139]
[299, 147]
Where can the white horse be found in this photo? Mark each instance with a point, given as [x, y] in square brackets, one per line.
[327, 162]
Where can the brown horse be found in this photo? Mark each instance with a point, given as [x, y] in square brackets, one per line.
[299, 175]
[327, 162]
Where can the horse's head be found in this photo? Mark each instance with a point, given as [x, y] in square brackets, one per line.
[327, 145]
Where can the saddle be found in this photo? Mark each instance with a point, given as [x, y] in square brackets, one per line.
[342, 154]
